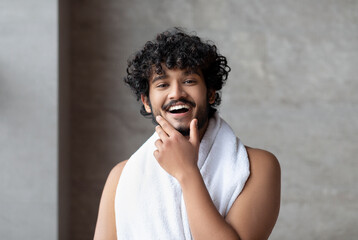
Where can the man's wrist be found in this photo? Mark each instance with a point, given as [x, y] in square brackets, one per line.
[188, 176]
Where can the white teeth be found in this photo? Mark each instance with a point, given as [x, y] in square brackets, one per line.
[177, 107]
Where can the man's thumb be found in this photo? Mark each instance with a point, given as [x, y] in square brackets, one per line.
[194, 132]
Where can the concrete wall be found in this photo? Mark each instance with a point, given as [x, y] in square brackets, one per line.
[291, 91]
[28, 119]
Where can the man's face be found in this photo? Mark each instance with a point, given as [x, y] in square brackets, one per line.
[179, 96]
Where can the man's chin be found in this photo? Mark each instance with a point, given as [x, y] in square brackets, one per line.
[184, 131]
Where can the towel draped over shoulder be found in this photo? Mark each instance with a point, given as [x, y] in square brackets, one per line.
[149, 202]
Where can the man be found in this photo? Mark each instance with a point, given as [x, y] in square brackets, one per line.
[193, 179]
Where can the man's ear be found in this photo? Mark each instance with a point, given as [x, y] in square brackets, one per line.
[145, 102]
[212, 95]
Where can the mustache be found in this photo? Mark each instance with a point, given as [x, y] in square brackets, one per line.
[173, 102]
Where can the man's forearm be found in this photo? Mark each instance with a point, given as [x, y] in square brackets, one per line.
[204, 219]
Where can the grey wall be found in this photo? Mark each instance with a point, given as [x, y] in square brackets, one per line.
[291, 91]
[28, 119]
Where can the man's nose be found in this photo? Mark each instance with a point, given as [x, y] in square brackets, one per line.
[176, 91]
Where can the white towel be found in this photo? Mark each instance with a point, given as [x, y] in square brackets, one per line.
[149, 203]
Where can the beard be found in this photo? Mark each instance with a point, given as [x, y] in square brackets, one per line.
[202, 116]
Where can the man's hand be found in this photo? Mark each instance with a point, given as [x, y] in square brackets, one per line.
[178, 156]
[175, 153]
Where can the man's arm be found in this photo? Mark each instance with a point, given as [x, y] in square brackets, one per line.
[178, 156]
[255, 211]
[106, 222]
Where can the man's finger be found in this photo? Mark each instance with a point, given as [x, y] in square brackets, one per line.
[194, 132]
[158, 144]
[166, 126]
[161, 133]
[156, 154]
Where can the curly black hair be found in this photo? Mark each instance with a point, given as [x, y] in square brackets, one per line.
[177, 49]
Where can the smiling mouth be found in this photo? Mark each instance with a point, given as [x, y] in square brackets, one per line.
[183, 108]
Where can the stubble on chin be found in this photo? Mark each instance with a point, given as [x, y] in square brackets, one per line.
[185, 131]
[203, 118]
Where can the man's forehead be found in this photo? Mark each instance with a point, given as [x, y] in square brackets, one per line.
[185, 72]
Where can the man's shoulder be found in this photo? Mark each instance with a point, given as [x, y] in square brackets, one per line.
[117, 170]
[105, 227]
[262, 162]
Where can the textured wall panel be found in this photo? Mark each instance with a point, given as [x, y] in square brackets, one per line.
[291, 91]
[28, 120]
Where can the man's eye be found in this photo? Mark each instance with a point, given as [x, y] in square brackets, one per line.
[162, 85]
[189, 81]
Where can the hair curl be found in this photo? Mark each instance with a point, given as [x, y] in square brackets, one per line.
[177, 49]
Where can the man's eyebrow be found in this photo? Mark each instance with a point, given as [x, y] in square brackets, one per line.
[159, 77]
[191, 71]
